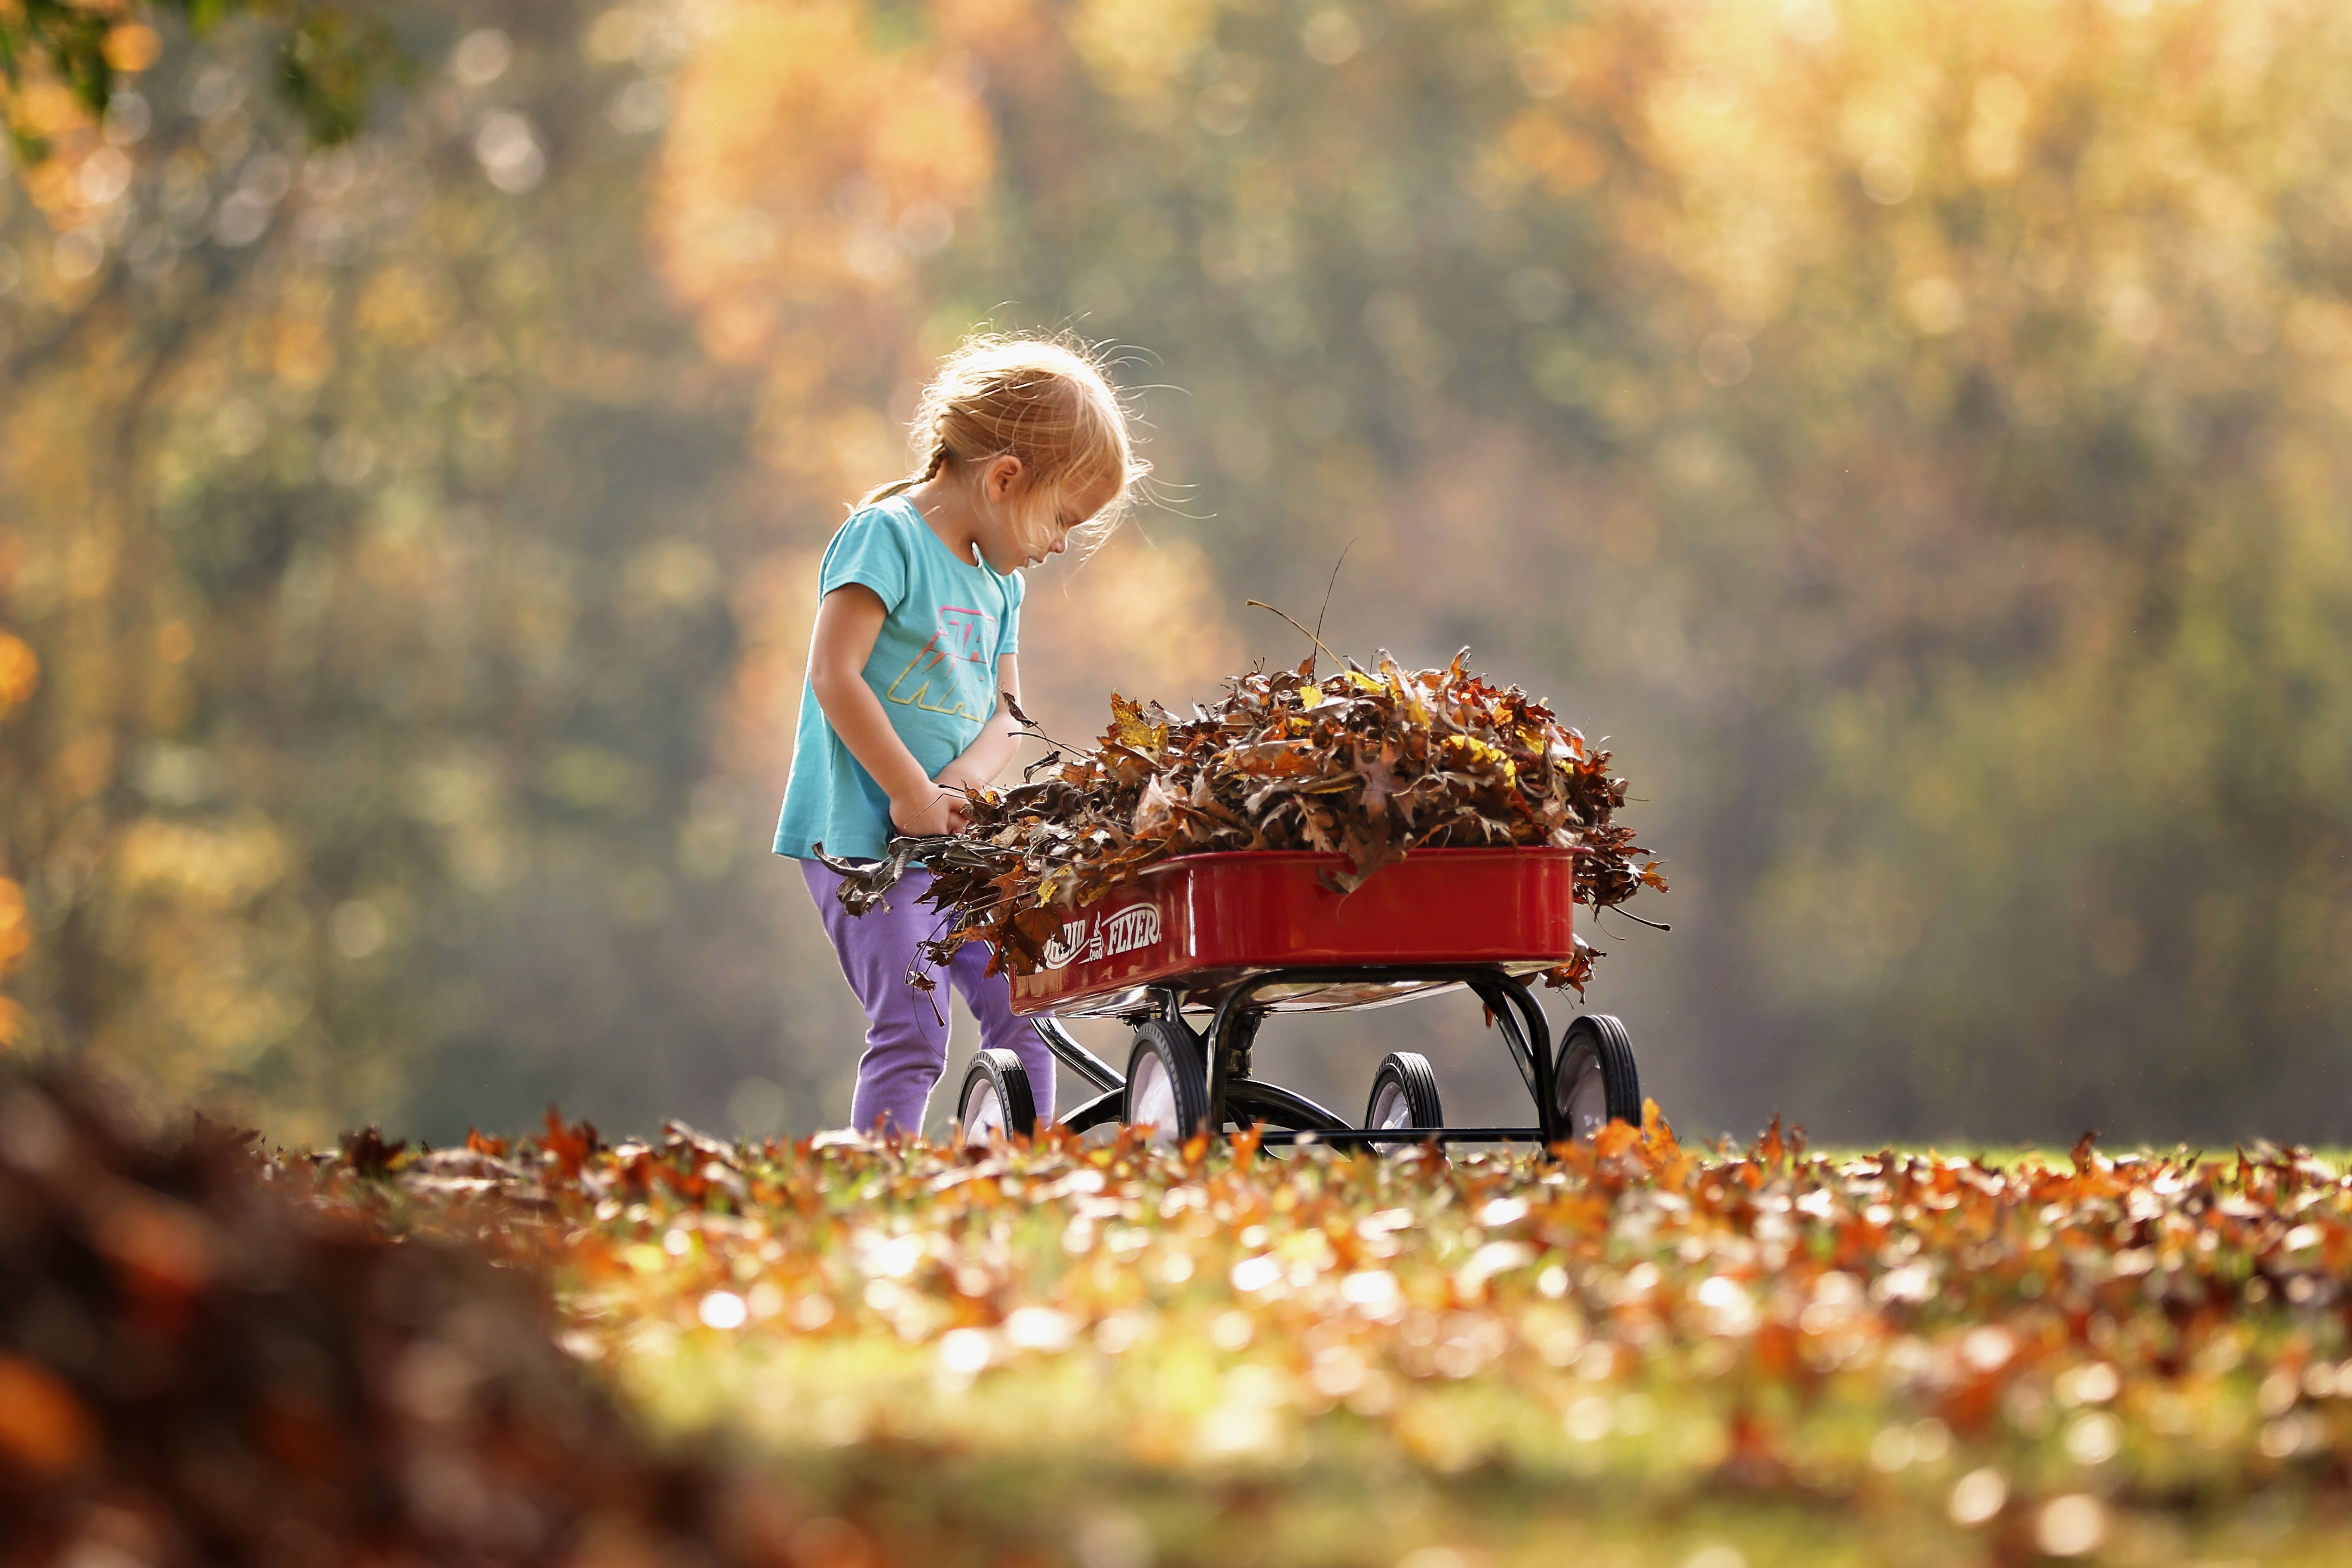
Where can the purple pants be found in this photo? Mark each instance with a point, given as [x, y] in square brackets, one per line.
[907, 1029]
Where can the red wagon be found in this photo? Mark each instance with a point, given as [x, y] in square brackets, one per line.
[1230, 937]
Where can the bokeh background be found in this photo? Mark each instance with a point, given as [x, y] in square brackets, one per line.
[1918, 435]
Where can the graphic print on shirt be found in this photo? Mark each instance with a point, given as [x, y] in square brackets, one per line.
[963, 639]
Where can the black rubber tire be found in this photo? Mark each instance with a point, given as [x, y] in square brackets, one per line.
[1170, 1054]
[998, 1073]
[1407, 1074]
[1595, 1044]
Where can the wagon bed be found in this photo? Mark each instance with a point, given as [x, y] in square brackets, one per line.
[1207, 922]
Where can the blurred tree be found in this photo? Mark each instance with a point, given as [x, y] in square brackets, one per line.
[1915, 433]
[1918, 435]
[373, 518]
[331, 54]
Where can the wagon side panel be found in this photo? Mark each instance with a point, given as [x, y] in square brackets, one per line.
[1234, 912]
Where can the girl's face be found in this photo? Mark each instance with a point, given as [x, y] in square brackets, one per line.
[1016, 529]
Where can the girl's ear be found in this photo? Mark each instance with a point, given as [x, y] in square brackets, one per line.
[1001, 477]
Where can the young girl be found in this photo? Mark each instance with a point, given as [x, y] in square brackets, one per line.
[1021, 441]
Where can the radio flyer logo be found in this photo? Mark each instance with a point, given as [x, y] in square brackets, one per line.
[1106, 934]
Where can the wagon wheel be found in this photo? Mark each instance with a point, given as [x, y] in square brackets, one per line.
[996, 1098]
[1596, 1082]
[1404, 1095]
[1166, 1086]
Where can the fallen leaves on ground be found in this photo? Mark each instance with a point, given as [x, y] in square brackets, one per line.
[2029, 1357]
[1369, 765]
[208, 1354]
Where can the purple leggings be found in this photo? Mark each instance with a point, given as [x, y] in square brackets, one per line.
[907, 1029]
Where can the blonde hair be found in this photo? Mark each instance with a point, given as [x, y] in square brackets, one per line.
[1046, 401]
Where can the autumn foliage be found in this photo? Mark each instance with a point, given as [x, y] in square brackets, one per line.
[1919, 429]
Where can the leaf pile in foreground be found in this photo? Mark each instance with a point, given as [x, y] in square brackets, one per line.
[1368, 765]
[196, 1370]
[2035, 1359]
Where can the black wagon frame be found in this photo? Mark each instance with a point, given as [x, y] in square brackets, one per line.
[1235, 1096]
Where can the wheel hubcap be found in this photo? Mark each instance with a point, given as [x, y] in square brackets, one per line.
[1152, 1099]
[1584, 1102]
[983, 1113]
[1391, 1109]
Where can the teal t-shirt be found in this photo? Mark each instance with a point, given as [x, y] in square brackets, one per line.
[933, 666]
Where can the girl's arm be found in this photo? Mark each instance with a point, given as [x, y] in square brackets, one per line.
[848, 620]
[994, 747]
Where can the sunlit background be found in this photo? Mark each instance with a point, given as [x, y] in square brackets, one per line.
[1918, 435]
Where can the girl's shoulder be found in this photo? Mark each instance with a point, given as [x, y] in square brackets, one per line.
[876, 547]
[894, 515]
[885, 529]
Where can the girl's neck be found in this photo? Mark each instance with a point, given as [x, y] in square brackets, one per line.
[945, 504]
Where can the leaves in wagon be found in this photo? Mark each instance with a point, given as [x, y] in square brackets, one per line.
[1368, 765]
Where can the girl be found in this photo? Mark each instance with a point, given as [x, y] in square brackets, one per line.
[1020, 442]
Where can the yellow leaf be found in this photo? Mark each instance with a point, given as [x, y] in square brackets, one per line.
[1132, 730]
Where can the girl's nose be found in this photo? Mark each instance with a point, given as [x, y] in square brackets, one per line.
[1059, 545]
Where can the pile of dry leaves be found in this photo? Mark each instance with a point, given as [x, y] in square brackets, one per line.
[196, 1365]
[1366, 765]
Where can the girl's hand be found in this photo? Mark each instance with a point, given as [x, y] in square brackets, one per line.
[935, 812]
